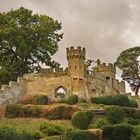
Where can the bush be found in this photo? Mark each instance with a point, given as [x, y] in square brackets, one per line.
[40, 100]
[17, 110]
[52, 129]
[54, 138]
[119, 99]
[133, 103]
[80, 135]
[34, 99]
[80, 120]
[115, 114]
[61, 112]
[99, 122]
[82, 100]
[10, 133]
[118, 132]
[136, 133]
[13, 110]
[133, 121]
[71, 100]
[89, 115]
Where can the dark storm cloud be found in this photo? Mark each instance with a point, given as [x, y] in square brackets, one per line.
[104, 28]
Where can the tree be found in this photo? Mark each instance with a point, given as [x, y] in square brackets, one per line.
[27, 41]
[129, 63]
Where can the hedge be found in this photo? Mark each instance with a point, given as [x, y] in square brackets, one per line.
[117, 132]
[80, 135]
[115, 114]
[119, 99]
[34, 111]
[37, 99]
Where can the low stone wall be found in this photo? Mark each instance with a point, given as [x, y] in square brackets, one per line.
[12, 92]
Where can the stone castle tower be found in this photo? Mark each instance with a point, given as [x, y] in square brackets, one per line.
[76, 58]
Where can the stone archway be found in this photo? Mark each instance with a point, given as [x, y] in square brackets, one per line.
[60, 92]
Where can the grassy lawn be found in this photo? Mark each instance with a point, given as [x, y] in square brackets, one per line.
[31, 125]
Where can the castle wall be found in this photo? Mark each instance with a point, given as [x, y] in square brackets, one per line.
[43, 85]
[12, 92]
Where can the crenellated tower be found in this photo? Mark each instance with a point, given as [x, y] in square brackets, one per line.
[109, 72]
[76, 59]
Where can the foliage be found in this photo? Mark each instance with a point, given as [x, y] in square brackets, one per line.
[117, 132]
[54, 138]
[119, 99]
[10, 133]
[27, 41]
[17, 110]
[56, 112]
[133, 121]
[136, 133]
[40, 100]
[80, 135]
[13, 110]
[99, 122]
[89, 115]
[61, 112]
[115, 114]
[128, 62]
[34, 99]
[52, 130]
[80, 120]
[71, 100]
[133, 103]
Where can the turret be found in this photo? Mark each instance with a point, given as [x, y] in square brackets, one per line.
[76, 57]
[109, 71]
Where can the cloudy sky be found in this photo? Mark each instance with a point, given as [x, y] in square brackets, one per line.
[103, 27]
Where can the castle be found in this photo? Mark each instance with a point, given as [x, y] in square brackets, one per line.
[73, 80]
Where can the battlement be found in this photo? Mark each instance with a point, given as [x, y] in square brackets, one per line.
[54, 71]
[107, 67]
[76, 52]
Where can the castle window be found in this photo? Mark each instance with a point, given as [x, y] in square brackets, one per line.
[107, 78]
[75, 67]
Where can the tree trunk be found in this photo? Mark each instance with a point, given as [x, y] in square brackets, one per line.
[137, 89]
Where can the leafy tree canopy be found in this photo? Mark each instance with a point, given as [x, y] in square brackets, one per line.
[27, 41]
[129, 63]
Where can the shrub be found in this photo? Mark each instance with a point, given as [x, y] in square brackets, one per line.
[61, 112]
[17, 110]
[115, 114]
[89, 115]
[136, 133]
[82, 100]
[119, 99]
[34, 99]
[99, 122]
[133, 121]
[13, 110]
[40, 100]
[8, 133]
[118, 132]
[133, 103]
[54, 138]
[52, 129]
[80, 135]
[80, 120]
[71, 100]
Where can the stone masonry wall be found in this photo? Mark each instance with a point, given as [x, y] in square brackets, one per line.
[12, 92]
